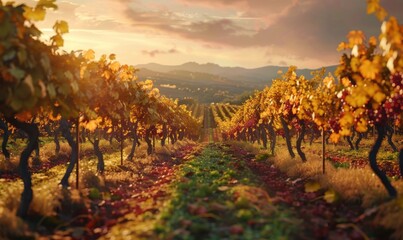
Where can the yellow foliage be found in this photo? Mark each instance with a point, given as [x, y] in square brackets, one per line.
[89, 54]
[342, 46]
[61, 27]
[330, 196]
[34, 14]
[355, 37]
[114, 66]
[379, 97]
[362, 125]
[57, 40]
[334, 137]
[312, 186]
[370, 69]
[347, 119]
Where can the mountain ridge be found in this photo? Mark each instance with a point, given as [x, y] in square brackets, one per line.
[239, 74]
[211, 82]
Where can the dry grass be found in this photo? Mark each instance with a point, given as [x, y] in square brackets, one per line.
[247, 146]
[10, 198]
[390, 215]
[48, 150]
[9, 165]
[46, 200]
[357, 185]
[91, 179]
[12, 227]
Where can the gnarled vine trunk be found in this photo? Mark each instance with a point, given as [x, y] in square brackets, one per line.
[55, 134]
[389, 135]
[181, 134]
[31, 129]
[100, 156]
[172, 136]
[272, 137]
[357, 142]
[148, 140]
[287, 137]
[135, 141]
[350, 143]
[6, 135]
[299, 141]
[65, 130]
[164, 134]
[263, 135]
[401, 162]
[381, 128]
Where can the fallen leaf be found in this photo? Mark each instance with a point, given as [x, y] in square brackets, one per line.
[312, 187]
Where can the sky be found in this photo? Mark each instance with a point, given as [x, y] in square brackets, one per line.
[246, 33]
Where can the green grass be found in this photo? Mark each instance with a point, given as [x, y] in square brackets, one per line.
[215, 198]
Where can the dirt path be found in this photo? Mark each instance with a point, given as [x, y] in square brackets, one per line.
[209, 129]
[321, 220]
[132, 209]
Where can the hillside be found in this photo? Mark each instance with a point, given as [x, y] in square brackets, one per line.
[210, 82]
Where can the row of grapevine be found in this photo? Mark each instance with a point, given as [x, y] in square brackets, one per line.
[42, 85]
[196, 109]
[217, 114]
[233, 108]
[221, 112]
[367, 92]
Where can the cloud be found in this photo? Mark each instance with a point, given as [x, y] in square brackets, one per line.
[265, 9]
[308, 29]
[156, 52]
[212, 31]
[299, 32]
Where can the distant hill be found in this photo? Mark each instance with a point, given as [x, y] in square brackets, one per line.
[211, 82]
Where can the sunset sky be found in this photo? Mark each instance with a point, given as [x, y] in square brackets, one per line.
[243, 33]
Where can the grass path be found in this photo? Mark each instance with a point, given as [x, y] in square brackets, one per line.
[195, 191]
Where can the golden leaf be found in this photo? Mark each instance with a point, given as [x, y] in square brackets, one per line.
[372, 41]
[369, 69]
[342, 46]
[347, 119]
[34, 14]
[345, 131]
[334, 137]
[106, 74]
[355, 37]
[379, 97]
[372, 6]
[362, 125]
[330, 196]
[312, 187]
[354, 63]
[91, 125]
[61, 27]
[57, 40]
[114, 66]
[346, 82]
[112, 56]
[47, 4]
[89, 54]
[381, 14]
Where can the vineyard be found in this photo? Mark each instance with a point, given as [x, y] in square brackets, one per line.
[90, 152]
